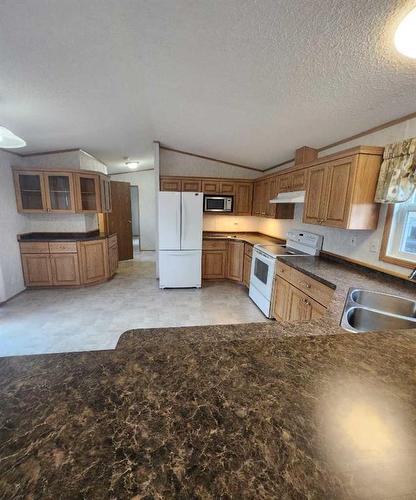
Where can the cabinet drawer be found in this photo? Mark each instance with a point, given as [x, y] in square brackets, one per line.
[34, 247]
[248, 249]
[63, 247]
[311, 287]
[284, 270]
[214, 244]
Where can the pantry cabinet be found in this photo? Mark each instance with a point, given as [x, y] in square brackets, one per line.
[40, 191]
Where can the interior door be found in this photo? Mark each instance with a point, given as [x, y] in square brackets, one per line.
[191, 234]
[119, 220]
[169, 220]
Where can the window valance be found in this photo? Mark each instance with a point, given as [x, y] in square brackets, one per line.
[397, 180]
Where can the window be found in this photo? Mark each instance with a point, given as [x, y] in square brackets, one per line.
[399, 241]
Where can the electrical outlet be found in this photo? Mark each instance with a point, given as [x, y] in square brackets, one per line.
[373, 247]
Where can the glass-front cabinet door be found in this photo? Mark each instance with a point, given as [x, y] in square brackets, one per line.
[88, 193]
[60, 192]
[30, 191]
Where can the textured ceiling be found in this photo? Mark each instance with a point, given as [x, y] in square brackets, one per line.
[246, 81]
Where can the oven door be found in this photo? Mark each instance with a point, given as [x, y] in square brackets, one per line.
[214, 204]
[262, 273]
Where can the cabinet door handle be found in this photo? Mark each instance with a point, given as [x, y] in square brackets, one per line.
[307, 302]
[303, 283]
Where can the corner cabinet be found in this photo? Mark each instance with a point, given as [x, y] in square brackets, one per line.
[69, 263]
[40, 191]
[340, 191]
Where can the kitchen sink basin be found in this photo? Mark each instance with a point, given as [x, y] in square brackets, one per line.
[385, 302]
[367, 310]
[360, 319]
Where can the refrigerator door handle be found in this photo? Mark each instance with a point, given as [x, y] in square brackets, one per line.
[183, 220]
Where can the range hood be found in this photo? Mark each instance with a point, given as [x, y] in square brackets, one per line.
[291, 197]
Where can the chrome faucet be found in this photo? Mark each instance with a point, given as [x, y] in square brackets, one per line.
[413, 275]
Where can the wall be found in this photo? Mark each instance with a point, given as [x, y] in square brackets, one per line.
[61, 223]
[134, 196]
[89, 162]
[65, 160]
[147, 204]
[11, 224]
[172, 163]
[229, 223]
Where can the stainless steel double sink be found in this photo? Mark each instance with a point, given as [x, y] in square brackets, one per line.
[366, 310]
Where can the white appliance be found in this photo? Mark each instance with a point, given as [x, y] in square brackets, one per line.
[291, 197]
[218, 203]
[298, 244]
[180, 239]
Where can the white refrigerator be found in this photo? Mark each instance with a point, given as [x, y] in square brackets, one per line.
[180, 239]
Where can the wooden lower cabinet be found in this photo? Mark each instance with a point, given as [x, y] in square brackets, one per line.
[235, 260]
[94, 260]
[65, 269]
[281, 293]
[37, 269]
[290, 303]
[69, 263]
[214, 264]
[246, 270]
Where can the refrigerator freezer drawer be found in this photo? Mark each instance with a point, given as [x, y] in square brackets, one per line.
[180, 269]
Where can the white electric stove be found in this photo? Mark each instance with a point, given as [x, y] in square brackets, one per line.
[298, 244]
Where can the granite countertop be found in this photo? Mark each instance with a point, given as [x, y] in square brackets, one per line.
[330, 416]
[342, 277]
[260, 410]
[252, 238]
[39, 237]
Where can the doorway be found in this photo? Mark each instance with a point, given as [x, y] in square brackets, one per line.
[135, 219]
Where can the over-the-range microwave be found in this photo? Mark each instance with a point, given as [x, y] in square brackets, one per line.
[218, 203]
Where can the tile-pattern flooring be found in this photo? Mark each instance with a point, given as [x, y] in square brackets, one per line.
[93, 318]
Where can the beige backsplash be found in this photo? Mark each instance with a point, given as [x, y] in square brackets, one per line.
[362, 246]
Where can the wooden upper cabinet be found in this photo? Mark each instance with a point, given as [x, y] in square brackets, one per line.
[285, 183]
[170, 184]
[87, 193]
[340, 193]
[299, 180]
[105, 191]
[235, 260]
[227, 188]
[194, 185]
[211, 186]
[30, 191]
[60, 191]
[314, 207]
[243, 199]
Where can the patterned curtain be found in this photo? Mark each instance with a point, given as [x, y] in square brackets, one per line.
[397, 180]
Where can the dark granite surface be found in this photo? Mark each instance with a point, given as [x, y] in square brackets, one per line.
[39, 237]
[330, 416]
[252, 238]
[258, 411]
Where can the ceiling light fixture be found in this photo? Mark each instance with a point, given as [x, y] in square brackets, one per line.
[405, 37]
[8, 140]
[132, 164]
